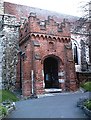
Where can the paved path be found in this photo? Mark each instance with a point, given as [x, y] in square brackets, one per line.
[62, 105]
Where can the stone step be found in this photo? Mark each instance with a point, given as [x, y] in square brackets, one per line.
[52, 90]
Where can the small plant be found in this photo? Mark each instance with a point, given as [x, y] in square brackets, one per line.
[3, 110]
[86, 86]
[88, 104]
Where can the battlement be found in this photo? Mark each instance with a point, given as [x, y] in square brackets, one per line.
[10, 20]
[49, 26]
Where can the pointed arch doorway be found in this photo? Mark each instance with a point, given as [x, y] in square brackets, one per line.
[51, 72]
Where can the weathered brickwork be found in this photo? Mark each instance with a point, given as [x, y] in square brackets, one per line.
[36, 51]
[40, 41]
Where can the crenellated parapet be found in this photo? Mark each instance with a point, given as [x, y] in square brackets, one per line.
[42, 41]
[10, 20]
[45, 27]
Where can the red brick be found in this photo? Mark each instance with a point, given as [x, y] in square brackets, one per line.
[52, 44]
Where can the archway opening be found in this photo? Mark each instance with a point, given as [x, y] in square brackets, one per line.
[51, 73]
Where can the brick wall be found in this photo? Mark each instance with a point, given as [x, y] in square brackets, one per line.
[40, 40]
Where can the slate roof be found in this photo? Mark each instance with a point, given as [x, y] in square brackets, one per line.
[24, 11]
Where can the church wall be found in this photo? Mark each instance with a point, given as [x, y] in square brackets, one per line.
[31, 41]
[1, 41]
[9, 38]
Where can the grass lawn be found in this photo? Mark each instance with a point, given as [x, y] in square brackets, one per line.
[7, 95]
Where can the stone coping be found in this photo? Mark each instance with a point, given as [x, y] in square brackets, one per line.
[85, 72]
[53, 90]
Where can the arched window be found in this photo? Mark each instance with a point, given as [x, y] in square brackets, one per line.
[75, 54]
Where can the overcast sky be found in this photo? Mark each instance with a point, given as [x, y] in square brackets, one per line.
[71, 7]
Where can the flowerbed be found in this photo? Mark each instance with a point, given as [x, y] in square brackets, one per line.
[7, 102]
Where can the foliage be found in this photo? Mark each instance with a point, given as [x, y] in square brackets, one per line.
[3, 110]
[88, 104]
[7, 95]
[86, 86]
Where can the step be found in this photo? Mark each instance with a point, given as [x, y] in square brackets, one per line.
[52, 90]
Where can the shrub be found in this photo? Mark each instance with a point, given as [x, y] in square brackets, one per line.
[3, 110]
[88, 104]
[86, 86]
